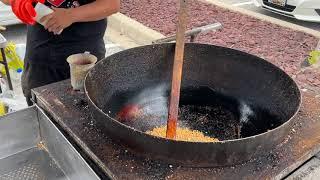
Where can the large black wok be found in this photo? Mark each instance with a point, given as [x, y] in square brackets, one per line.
[239, 98]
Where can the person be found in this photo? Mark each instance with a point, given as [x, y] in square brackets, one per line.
[83, 24]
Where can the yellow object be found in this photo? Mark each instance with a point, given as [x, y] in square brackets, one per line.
[14, 61]
[183, 134]
[2, 109]
[314, 57]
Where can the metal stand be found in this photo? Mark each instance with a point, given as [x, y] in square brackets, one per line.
[3, 43]
[193, 33]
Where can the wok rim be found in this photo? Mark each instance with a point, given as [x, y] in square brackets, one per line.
[193, 142]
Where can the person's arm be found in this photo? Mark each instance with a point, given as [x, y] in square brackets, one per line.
[7, 2]
[63, 18]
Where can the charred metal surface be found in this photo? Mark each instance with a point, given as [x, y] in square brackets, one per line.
[70, 110]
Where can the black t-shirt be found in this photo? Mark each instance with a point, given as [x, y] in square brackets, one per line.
[66, 3]
[44, 47]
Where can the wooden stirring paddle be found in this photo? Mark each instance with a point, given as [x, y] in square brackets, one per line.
[177, 72]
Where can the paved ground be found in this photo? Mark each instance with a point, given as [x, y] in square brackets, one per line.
[247, 4]
[16, 33]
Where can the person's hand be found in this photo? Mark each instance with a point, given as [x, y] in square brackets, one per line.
[24, 10]
[58, 20]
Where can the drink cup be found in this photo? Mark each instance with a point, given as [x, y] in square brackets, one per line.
[80, 64]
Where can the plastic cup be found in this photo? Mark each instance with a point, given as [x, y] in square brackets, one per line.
[43, 10]
[80, 64]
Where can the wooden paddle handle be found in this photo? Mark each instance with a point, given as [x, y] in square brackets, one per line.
[177, 72]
